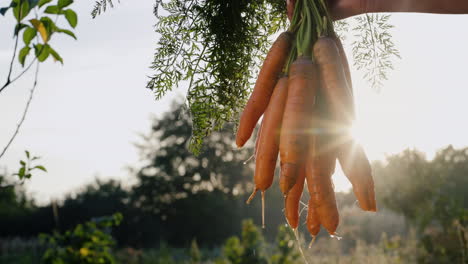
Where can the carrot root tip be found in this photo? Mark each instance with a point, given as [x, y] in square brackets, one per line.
[263, 209]
[252, 196]
[335, 235]
[249, 159]
[312, 241]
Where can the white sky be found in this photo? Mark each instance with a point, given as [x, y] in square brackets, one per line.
[86, 115]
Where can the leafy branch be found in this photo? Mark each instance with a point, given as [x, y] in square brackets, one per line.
[216, 46]
[374, 51]
[37, 34]
[23, 117]
[24, 173]
[101, 7]
[37, 28]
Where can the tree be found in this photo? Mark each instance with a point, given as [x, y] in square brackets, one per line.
[175, 185]
[432, 195]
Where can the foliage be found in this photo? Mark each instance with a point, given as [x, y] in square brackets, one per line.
[215, 46]
[27, 166]
[101, 7]
[287, 252]
[195, 254]
[86, 243]
[38, 31]
[374, 50]
[250, 249]
[37, 28]
[432, 195]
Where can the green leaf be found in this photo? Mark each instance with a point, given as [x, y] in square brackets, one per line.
[64, 3]
[22, 163]
[27, 154]
[40, 167]
[33, 3]
[68, 32]
[49, 24]
[39, 26]
[3, 10]
[21, 9]
[71, 17]
[24, 52]
[42, 51]
[43, 2]
[28, 35]
[21, 172]
[55, 55]
[52, 9]
[19, 27]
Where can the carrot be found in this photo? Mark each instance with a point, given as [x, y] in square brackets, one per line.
[266, 81]
[257, 140]
[344, 62]
[357, 169]
[313, 220]
[355, 165]
[291, 204]
[319, 169]
[334, 81]
[267, 146]
[302, 86]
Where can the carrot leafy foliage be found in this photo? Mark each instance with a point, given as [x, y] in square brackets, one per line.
[214, 47]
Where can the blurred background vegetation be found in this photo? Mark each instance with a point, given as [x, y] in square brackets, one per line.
[183, 208]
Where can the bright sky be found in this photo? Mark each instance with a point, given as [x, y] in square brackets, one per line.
[87, 114]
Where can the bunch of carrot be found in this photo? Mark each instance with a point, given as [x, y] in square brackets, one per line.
[304, 93]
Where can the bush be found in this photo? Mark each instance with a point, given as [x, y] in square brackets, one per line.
[88, 243]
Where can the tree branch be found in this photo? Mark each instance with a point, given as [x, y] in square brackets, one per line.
[8, 81]
[31, 93]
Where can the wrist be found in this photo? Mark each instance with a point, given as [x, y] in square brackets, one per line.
[386, 6]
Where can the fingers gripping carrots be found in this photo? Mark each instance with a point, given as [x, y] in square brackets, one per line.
[307, 116]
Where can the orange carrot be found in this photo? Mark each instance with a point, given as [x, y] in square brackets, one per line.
[344, 62]
[257, 140]
[357, 169]
[319, 169]
[334, 82]
[291, 203]
[266, 81]
[355, 164]
[302, 86]
[313, 220]
[268, 146]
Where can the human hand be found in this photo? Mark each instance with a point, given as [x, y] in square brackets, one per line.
[339, 9]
